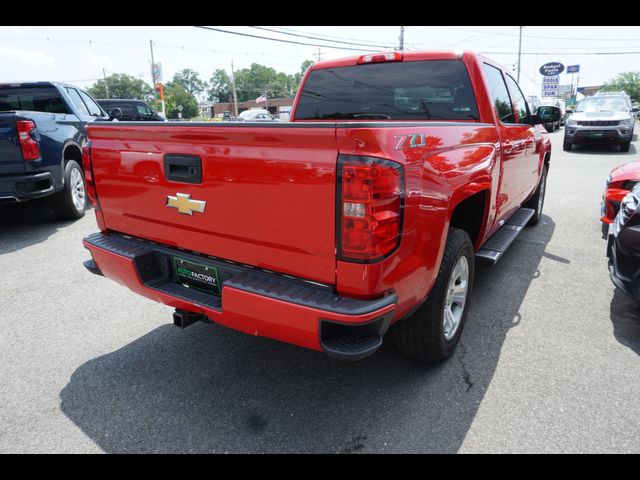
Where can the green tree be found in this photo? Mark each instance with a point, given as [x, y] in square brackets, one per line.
[175, 94]
[627, 81]
[190, 80]
[121, 85]
[220, 89]
[303, 69]
[257, 79]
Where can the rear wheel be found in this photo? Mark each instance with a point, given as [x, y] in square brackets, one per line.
[537, 201]
[433, 331]
[70, 203]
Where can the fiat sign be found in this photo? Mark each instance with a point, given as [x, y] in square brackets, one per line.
[552, 68]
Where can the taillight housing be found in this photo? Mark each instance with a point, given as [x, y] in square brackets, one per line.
[370, 202]
[88, 176]
[28, 145]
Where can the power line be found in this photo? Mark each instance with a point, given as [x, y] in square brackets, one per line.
[563, 53]
[374, 42]
[278, 39]
[320, 38]
[541, 36]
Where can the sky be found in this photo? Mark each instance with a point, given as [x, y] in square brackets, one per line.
[79, 55]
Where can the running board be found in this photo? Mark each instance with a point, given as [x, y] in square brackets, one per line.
[498, 243]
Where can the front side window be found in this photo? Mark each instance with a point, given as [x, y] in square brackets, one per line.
[93, 107]
[77, 101]
[143, 110]
[421, 90]
[500, 94]
[519, 103]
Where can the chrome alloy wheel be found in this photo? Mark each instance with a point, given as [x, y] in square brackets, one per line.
[77, 189]
[456, 298]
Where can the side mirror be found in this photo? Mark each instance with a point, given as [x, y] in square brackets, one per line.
[535, 119]
[569, 110]
[635, 109]
[115, 113]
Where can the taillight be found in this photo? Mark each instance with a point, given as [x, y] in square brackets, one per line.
[28, 145]
[370, 202]
[88, 176]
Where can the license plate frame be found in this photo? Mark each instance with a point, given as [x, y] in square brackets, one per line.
[197, 275]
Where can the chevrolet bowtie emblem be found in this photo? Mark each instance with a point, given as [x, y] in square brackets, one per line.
[184, 204]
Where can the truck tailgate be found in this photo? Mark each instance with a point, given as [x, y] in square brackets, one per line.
[269, 191]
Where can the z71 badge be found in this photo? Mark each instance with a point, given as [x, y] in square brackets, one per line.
[410, 140]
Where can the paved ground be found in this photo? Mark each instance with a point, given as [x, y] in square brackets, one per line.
[549, 359]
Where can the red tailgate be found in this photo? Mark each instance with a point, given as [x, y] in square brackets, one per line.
[269, 191]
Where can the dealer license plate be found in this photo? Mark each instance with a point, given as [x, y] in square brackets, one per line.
[195, 275]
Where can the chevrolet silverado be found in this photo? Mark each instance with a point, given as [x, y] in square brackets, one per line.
[368, 210]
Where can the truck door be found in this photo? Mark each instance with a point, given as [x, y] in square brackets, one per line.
[529, 175]
[516, 139]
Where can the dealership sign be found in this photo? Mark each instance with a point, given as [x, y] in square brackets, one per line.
[550, 86]
[551, 69]
[573, 69]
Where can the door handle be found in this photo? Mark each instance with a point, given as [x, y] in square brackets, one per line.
[183, 168]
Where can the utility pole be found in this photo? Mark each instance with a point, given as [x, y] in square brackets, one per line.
[106, 87]
[266, 102]
[519, 53]
[401, 46]
[235, 95]
[153, 63]
[319, 55]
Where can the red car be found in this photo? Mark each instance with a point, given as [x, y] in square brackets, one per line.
[620, 182]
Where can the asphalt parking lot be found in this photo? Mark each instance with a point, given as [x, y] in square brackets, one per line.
[549, 359]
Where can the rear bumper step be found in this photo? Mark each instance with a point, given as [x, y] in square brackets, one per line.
[492, 250]
[251, 300]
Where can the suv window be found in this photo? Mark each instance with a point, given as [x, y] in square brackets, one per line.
[77, 101]
[519, 103]
[422, 90]
[143, 110]
[499, 92]
[94, 109]
[36, 99]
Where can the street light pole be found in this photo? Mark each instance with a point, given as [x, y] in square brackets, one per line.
[401, 47]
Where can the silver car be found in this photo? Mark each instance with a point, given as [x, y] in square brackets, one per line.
[601, 119]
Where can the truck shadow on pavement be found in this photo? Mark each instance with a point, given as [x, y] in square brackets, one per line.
[602, 150]
[625, 317]
[211, 389]
[26, 224]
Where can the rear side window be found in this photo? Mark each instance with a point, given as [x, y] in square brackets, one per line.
[424, 90]
[500, 94]
[36, 99]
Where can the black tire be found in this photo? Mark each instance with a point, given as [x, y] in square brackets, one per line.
[624, 147]
[566, 146]
[63, 202]
[421, 336]
[537, 201]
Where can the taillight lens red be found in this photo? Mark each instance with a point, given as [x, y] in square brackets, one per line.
[88, 176]
[28, 145]
[371, 193]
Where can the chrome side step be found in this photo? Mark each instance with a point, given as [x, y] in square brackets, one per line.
[498, 243]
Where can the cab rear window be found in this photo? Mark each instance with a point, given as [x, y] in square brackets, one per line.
[423, 90]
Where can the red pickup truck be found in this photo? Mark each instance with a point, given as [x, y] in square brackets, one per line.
[367, 210]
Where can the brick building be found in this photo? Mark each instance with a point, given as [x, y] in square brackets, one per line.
[278, 107]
